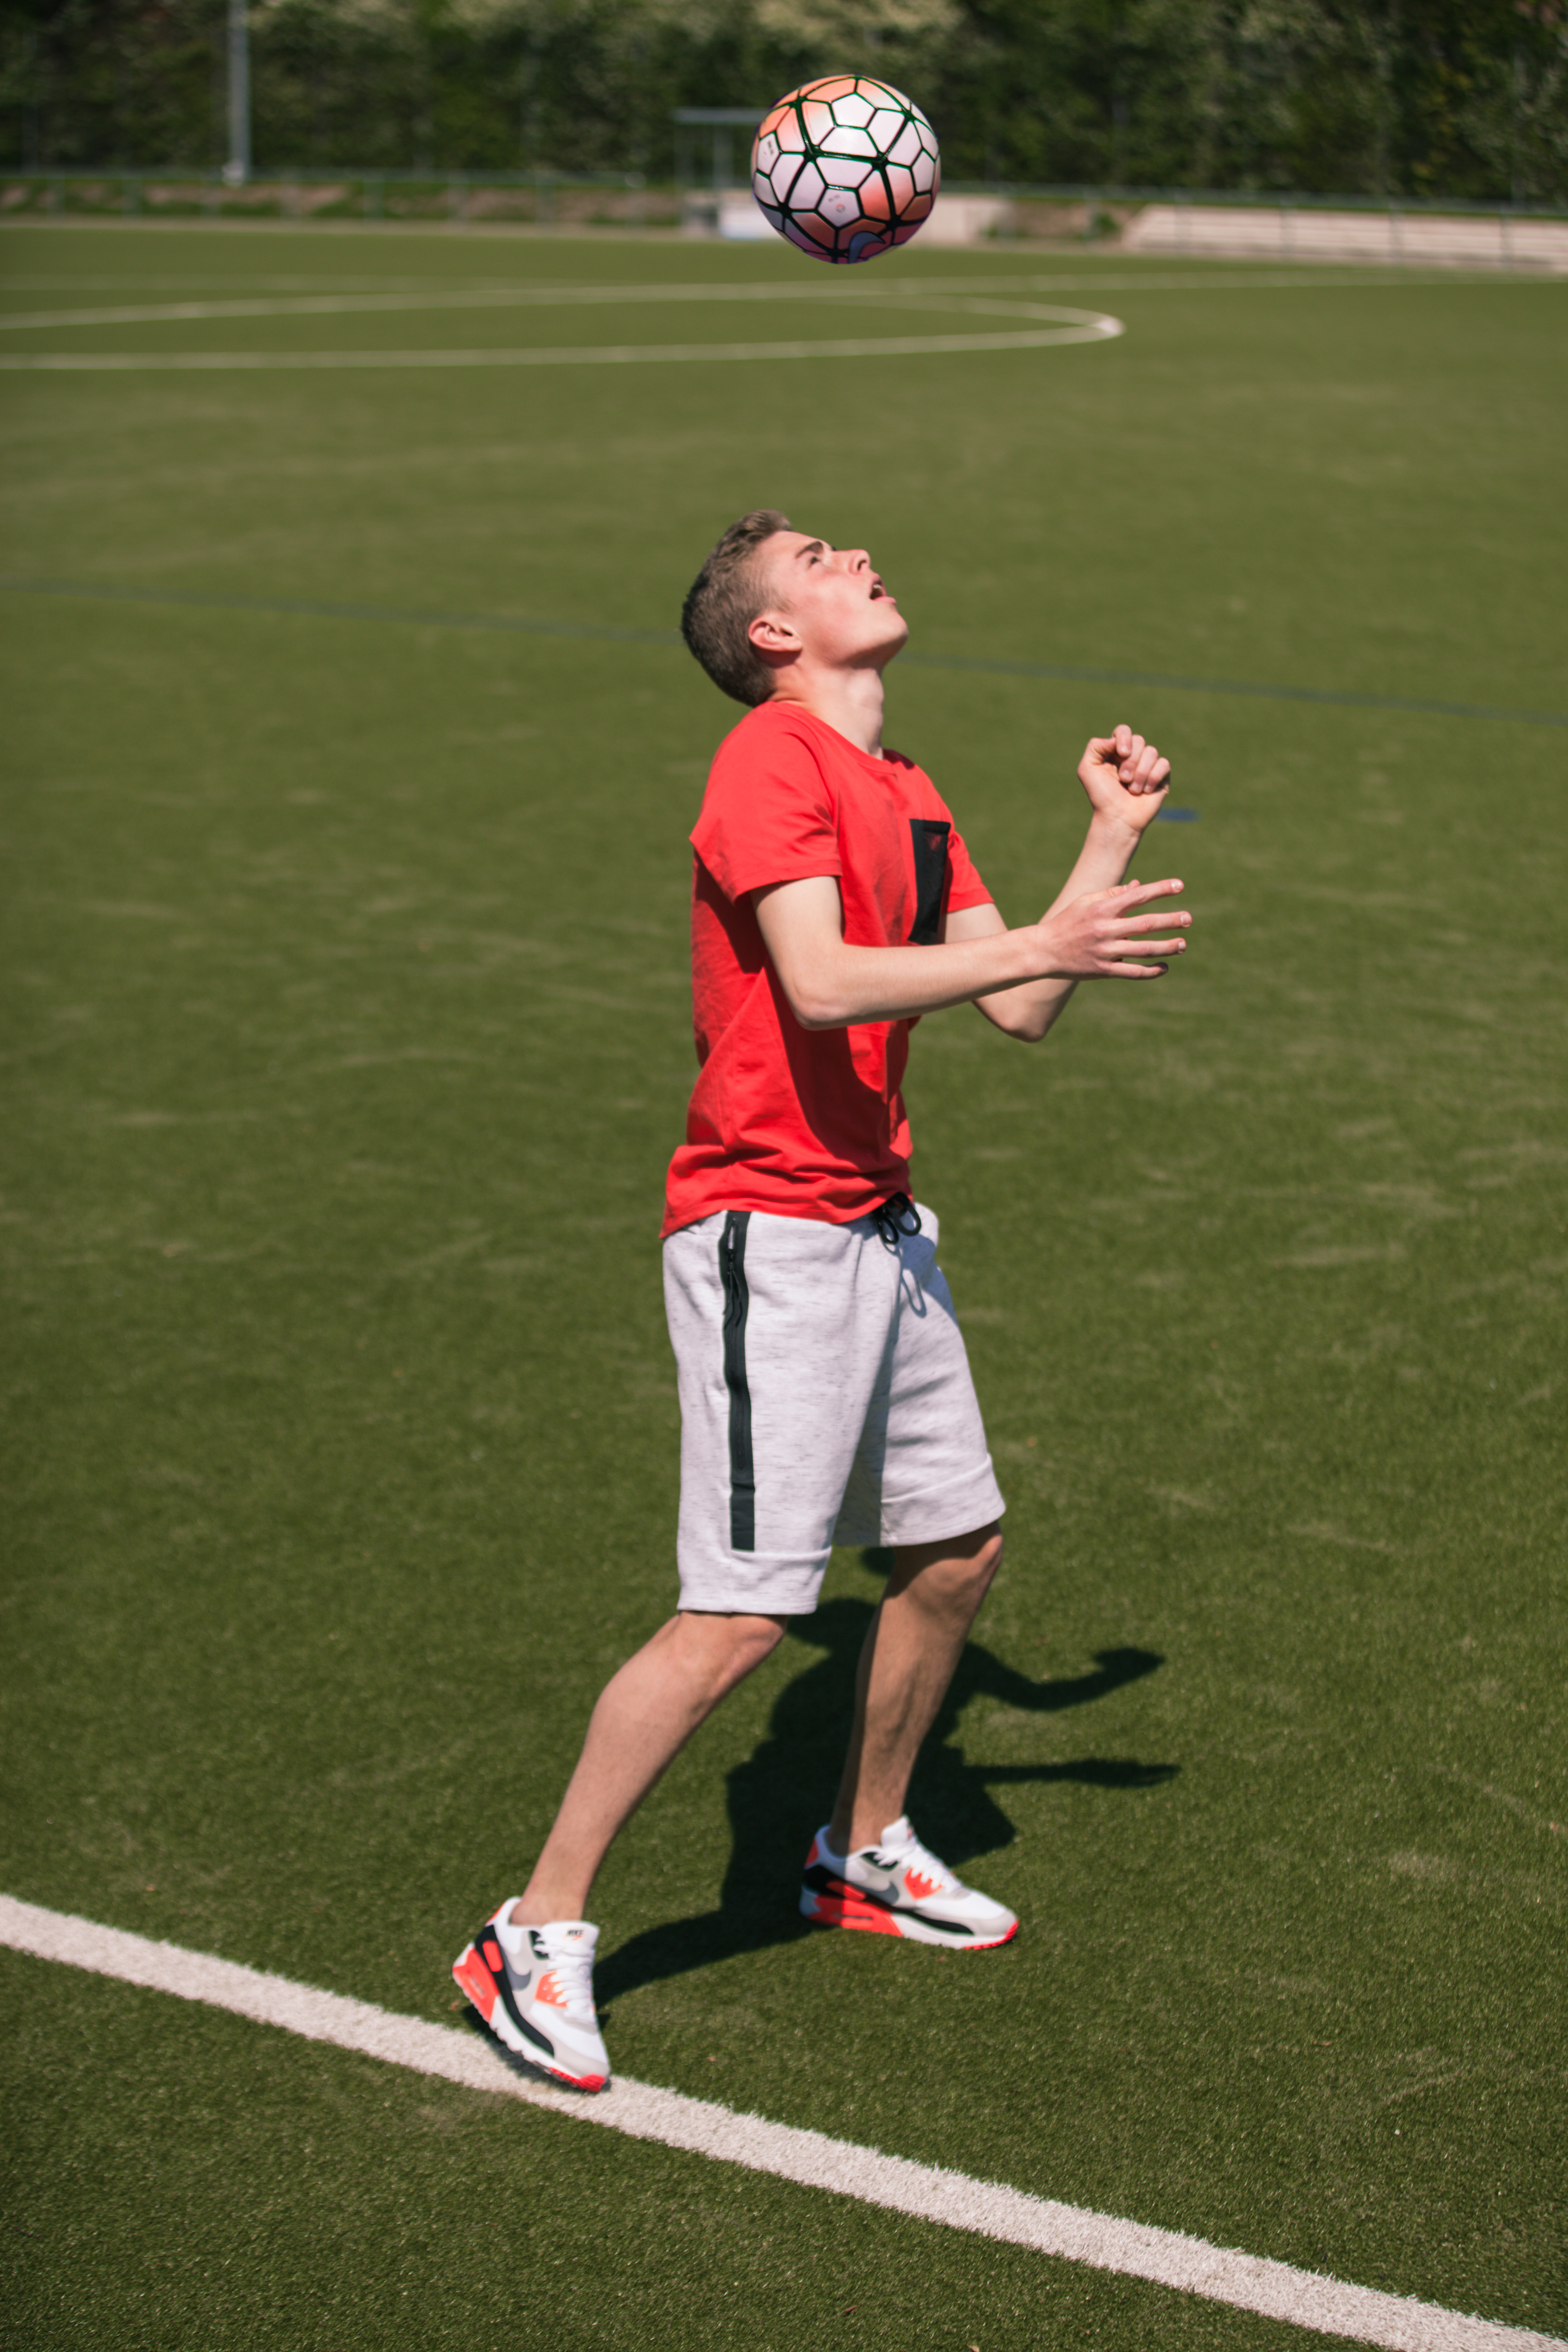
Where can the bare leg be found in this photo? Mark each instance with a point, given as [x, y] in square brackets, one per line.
[645, 1716]
[912, 1644]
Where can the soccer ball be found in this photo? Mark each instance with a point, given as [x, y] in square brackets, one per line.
[846, 167]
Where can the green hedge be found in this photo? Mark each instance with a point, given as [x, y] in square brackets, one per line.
[1429, 97]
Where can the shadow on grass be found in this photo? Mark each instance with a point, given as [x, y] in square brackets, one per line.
[783, 1790]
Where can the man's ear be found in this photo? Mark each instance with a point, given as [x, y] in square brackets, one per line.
[774, 632]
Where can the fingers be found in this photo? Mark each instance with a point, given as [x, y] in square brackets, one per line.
[1124, 945]
[1133, 927]
[1103, 935]
[1139, 767]
[1117, 950]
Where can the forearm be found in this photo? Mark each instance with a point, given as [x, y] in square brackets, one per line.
[839, 985]
[1028, 1011]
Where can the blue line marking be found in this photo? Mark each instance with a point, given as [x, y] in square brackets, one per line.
[605, 631]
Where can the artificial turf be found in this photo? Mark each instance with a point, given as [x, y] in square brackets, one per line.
[349, 1037]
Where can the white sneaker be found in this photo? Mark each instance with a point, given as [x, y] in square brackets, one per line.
[535, 1988]
[898, 1887]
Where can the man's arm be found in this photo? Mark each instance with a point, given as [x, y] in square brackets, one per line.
[1021, 979]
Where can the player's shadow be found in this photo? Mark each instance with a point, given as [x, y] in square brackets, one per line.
[784, 1789]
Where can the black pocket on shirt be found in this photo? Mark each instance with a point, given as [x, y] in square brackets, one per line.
[930, 836]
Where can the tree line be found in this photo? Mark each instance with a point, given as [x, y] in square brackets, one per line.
[1408, 98]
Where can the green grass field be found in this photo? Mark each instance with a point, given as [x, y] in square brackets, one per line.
[348, 1037]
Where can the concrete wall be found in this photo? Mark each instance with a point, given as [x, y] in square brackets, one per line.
[1294, 232]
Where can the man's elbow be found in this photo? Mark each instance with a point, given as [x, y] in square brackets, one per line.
[817, 1011]
[1024, 1023]
[813, 999]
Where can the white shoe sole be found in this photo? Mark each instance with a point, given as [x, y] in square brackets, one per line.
[877, 1919]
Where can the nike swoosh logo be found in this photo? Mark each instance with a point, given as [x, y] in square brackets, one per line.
[886, 1897]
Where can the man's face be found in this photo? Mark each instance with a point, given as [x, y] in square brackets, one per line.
[832, 600]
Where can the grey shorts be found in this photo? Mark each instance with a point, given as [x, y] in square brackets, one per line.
[825, 1398]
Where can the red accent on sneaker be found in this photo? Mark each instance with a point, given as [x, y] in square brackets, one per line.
[469, 1977]
[850, 1911]
[492, 1955]
[548, 1990]
[918, 1886]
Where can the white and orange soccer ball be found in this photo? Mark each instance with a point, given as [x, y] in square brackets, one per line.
[846, 167]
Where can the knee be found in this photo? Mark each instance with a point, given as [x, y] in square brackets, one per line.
[960, 1572]
[978, 1567]
[731, 1646]
[755, 1638]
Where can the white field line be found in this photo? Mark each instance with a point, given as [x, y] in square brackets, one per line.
[909, 293]
[368, 298]
[914, 294]
[457, 292]
[1304, 2299]
[1096, 327]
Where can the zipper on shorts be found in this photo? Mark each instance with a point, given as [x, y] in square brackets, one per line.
[737, 1302]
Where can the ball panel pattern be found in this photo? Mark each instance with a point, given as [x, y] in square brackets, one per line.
[846, 167]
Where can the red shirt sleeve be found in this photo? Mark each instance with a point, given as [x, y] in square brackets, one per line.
[769, 815]
[964, 888]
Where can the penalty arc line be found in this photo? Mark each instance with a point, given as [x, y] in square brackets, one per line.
[512, 625]
[449, 292]
[1307, 2299]
[362, 299]
[1101, 328]
[904, 294]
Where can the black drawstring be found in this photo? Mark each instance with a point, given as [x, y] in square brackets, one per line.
[889, 1220]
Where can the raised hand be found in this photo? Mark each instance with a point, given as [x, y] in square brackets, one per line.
[1125, 778]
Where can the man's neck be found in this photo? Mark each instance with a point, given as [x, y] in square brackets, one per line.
[848, 700]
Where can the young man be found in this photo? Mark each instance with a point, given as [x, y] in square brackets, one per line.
[824, 1391]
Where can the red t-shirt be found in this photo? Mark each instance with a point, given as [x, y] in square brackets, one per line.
[805, 1122]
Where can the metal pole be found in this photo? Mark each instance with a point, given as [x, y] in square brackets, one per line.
[237, 171]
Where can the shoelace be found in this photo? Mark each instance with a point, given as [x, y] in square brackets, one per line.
[890, 1216]
[920, 1858]
[574, 1972]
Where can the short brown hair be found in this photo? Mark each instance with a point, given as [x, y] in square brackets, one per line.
[724, 600]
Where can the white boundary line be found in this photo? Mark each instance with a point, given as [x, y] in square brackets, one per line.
[1065, 326]
[1303, 2299]
[332, 283]
[902, 294]
[909, 294]
[1098, 328]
